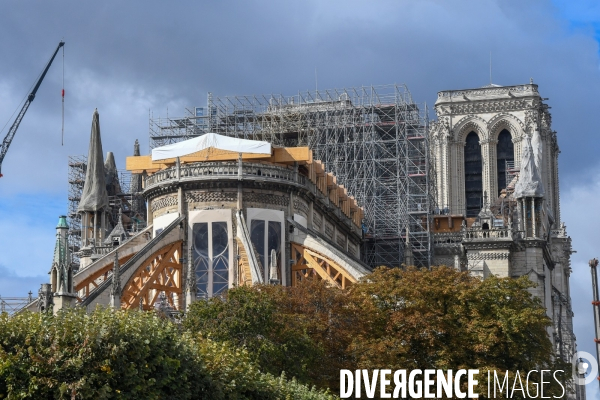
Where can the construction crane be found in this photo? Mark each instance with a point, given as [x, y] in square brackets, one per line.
[13, 129]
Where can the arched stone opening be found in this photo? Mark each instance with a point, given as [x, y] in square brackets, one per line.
[473, 175]
[505, 157]
[53, 278]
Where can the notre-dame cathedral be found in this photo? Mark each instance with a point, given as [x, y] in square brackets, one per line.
[478, 191]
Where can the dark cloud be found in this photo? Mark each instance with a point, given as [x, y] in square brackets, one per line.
[125, 58]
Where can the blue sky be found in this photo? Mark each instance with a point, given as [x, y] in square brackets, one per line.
[128, 59]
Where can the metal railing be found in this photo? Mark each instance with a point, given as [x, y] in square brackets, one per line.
[12, 305]
[445, 239]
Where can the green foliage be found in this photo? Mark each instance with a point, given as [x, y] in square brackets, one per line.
[251, 318]
[238, 377]
[244, 346]
[100, 355]
[126, 355]
[444, 319]
[393, 319]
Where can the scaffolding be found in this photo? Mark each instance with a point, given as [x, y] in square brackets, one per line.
[563, 325]
[373, 139]
[512, 174]
[76, 179]
[13, 305]
[130, 202]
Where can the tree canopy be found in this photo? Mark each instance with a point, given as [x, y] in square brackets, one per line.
[247, 344]
[392, 319]
[126, 355]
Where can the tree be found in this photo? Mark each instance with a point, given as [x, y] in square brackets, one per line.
[101, 355]
[111, 354]
[249, 318]
[444, 319]
[392, 319]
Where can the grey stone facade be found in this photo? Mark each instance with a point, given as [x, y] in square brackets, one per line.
[509, 237]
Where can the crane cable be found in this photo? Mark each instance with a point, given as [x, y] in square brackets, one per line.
[62, 137]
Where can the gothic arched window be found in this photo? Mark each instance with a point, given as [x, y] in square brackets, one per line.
[505, 156]
[210, 253]
[473, 169]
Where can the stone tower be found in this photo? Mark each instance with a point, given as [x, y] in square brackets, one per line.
[495, 158]
[94, 198]
[61, 272]
[478, 141]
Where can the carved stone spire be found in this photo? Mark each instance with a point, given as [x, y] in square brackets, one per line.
[94, 196]
[45, 303]
[61, 274]
[273, 279]
[61, 264]
[113, 186]
[138, 203]
[118, 231]
[115, 289]
[191, 288]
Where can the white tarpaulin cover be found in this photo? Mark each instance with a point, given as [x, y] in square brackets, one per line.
[94, 196]
[210, 140]
[530, 181]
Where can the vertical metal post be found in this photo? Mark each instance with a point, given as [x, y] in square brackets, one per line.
[240, 178]
[533, 224]
[596, 303]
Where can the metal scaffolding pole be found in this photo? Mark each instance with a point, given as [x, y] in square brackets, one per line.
[372, 138]
[596, 303]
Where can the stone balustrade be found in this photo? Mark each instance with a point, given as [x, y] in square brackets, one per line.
[445, 239]
[478, 233]
[224, 170]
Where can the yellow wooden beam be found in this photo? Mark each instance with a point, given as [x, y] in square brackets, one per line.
[319, 168]
[331, 180]
[308, 260]
[342, 192]
[283, 155]
[138, 163]
[211, 154]
[301, 155]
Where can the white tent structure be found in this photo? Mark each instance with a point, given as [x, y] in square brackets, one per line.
[210, 141]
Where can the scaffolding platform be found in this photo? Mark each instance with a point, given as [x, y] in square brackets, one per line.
[374, 139]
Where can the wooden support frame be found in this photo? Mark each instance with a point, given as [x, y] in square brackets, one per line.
[309, 263]
[280, 155]
[244, 274]
[91, 282]
[161, 272]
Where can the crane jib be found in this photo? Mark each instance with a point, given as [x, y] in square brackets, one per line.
[13, 129]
